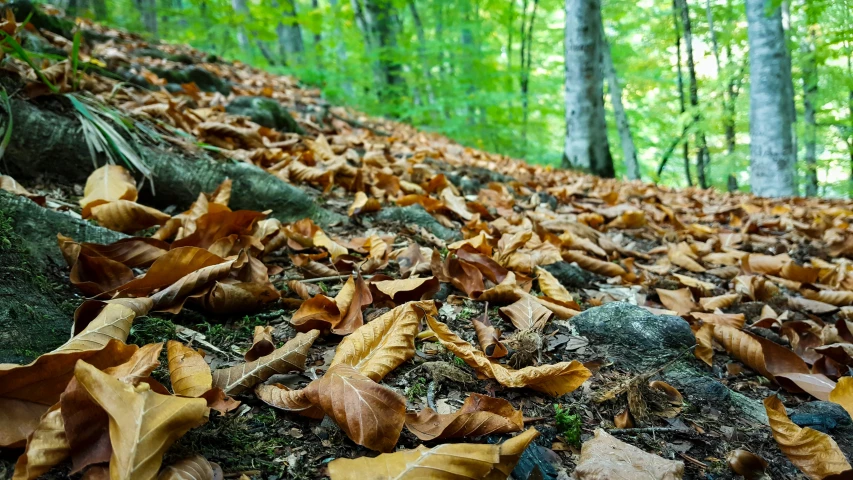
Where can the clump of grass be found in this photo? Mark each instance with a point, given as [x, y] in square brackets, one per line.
[417, 389]
[152, 330]
[568, 424]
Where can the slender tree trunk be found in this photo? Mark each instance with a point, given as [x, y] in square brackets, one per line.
[425, 66]
[148, 11]
[510, 31]
[810, 86]
[772, 159]
[318, 38]
[728, 95]
[240, 8]
[586, 145]
[702, 155]
[526, 43]
[289, 34]
[340, 47]
[629, 151]
[685, 147]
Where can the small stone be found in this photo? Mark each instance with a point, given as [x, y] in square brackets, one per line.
[635, 338]
[822, 416]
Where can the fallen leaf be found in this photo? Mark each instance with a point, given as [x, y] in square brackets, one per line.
[479, 415]
[444, 462]
[488, 336]
[189, 373]
[279, 396]
[363, 204]
[107, 183]
[554, 379]
[594, 265]
[262, 343]
[290, 357]
[126, 216]
[47, 446]
[143, 424]
[816, 454]
[370, 414]
[406, 290]
[385, 343]
[604, 457]
[709, 304]
[680, 301]
[843, 394]
[760, 354]
[526, 314]
[551, 287]
[192, 468]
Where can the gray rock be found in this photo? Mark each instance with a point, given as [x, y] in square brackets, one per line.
[415, 214]
[821, 416]
[264, 111]
[635, 338]
[571, 275]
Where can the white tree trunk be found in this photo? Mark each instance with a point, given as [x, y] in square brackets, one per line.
[772, 156]
[586, 145]
[632, 168]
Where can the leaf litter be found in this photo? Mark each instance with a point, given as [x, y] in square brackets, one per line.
[398, 336]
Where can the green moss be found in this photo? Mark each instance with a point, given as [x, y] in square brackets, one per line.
[7, 232]
[152, 330]
[568, 424]
[417, 389]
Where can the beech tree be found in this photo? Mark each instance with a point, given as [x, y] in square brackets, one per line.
[772, 156]
[586, 144]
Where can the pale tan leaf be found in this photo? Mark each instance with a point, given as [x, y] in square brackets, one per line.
[363, 204]
[192, 468]
[126, 216]
[679, 301]
[551, 287]
[189, 373]
[143, 424]
[279, 396]
[843, 394]
[709, 304]
[605, 457]
[526, 313]
[46, 446]
[108, 183]
[323, 241]
[262, 343]
[479, 415]
[594, 265]
[288, 358]
[759, 354]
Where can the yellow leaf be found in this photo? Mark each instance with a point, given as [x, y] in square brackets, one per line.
[479, 415]
[143, 424]
[816, 454]
[46, 447]
[335, 249]
[192, 468]
[551, 287]
[445, 462]
[843, 394]
[189, 373]
[108, 183]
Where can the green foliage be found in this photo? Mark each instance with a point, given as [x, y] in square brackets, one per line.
[152, 330]
[459, 64]
[568, 424]
[417, 389]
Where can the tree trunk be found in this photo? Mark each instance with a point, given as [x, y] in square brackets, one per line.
[290, 46]
[526, 44]
[810, 86]
[148, 11]
[425, 66]
[681, 99]
[728, 95]
[702, 154]
[586, 144]
[629, 151]
[375, 19]
[241, 9]
[340, 47]
[772, 159]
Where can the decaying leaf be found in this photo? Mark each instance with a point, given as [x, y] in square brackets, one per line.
[816, 454]
[279, 396]
[526, 313]
[479, 415]
[760, 354]
[370, 414]
[192, 468]
[262, 343]
[47, 445]
[488, 336]
[291, 356]
[385, 343]
[680, 301]
[554, 379]
[189, 373]
[604, 457]
[143, 424]
[445, 462]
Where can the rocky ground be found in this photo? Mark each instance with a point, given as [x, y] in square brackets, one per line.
[638, 283]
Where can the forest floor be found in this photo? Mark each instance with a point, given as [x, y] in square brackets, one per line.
[421, 271]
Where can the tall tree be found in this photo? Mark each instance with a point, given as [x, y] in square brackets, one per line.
[148, 11]
[682, 103]
[376, 20]
[289, 32]
[772, 157]
[527, 22]
[422, 55]
[629, 150]
[702, 155]
[586, 144]
[810, 85]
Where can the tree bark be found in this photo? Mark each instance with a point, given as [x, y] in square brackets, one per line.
[681, 98]
[375, 19]
[289, 32]
[425, 66]
[702, 154]
[810, 86]
[729, 94]
[526, 43]
[772, 158]
[586, 146]
[629, 151]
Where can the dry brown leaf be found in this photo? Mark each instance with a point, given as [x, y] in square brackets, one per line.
[143, 424]
[192, 468]
[227, 297]
[370, 414]
[710, 304]
[594, 265]
[479, 415]
[705, 344]
[107, 183]
[363, 204]
[488, 336]
[407, 290]
[816, 454]
[688, 281]
[679, 301]
[170, 268]
[555, 379]
[385, 343]
[604, 457]
[323, 241]
[290, 357]
[172, 298]
[279, 396]
[760, 354]
[189, 373]
[126, 216]
[262, 343]
[843, 394]
[450, 461]
[734, 320]
[526, 313]
[46, 446]
[811, 306]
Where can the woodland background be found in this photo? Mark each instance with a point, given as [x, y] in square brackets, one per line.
[490, 74]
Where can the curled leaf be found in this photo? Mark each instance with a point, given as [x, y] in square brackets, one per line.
[488, 336]
[479, 415]
[189, 373]
[192, 468]
[262, 343]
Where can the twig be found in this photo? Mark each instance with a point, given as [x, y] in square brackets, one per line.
[652, 430]
[327, 279]
[431, 388]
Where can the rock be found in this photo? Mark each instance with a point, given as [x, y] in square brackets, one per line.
[265, 111]
[821, 416]
[571, 275]
[415, 214]
[700, 389]
[35, 314]
[637, 339]
[204, 80]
